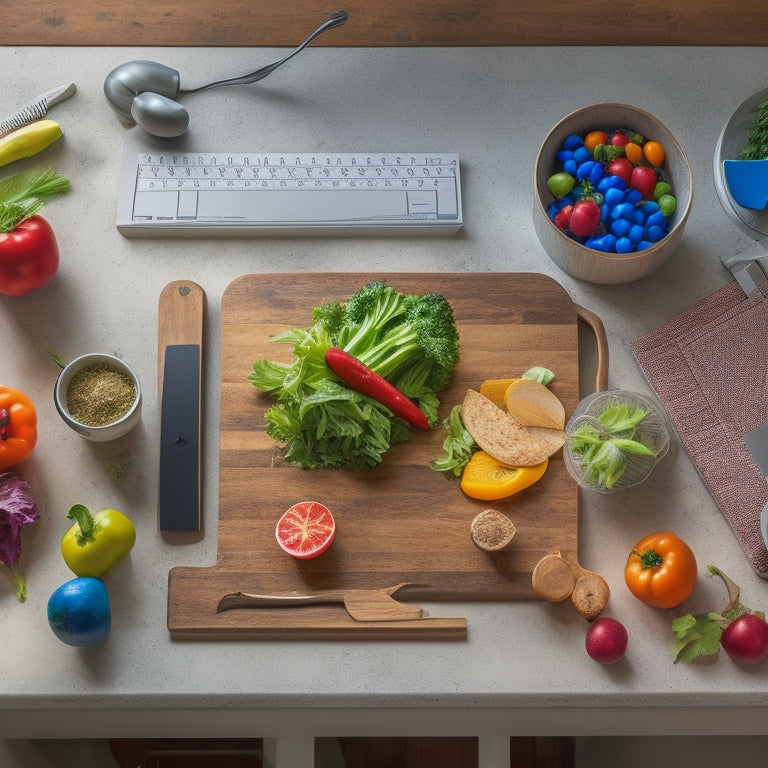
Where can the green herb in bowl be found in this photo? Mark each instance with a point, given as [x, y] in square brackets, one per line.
[614, 440]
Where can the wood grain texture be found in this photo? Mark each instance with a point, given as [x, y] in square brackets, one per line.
[400, 521]
[180, 319]
[376, 23]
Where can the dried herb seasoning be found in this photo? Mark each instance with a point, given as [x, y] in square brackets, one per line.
[100, 394]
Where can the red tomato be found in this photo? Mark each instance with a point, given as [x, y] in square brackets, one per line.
[585, 218]
[29, 257]
[622, 168]
[619, 139]
[306, 530]
[644, 181]
[563, 218]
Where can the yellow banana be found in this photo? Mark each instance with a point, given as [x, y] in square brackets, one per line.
[28, 140]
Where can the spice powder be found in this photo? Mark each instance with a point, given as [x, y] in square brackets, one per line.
[99, 395]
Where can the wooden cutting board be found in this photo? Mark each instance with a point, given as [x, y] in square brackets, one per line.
[399, 522]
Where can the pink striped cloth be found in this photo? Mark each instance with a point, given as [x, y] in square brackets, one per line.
[709, 367]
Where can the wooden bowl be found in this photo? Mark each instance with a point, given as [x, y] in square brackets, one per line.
[573, 257]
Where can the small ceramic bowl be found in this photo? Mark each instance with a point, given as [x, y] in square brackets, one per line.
[98, 432]
[653, 432]
[586, 263]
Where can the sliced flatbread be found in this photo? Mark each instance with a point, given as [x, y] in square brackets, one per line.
[504, 437]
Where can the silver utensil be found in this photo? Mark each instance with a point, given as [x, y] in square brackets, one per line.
[37, 109]
[145, 91]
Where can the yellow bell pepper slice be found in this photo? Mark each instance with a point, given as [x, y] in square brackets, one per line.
[485, 478]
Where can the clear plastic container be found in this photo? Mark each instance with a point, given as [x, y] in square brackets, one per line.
[653, 432]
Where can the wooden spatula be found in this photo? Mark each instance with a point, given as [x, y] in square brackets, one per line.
[555, 579]
[361, 604]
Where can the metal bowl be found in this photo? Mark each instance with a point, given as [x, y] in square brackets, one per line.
[573, 257]
[110, 431]
[753, 222]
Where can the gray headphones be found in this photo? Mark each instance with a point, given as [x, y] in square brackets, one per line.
[146, 92]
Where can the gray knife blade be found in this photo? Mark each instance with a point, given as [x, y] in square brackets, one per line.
[757, 442]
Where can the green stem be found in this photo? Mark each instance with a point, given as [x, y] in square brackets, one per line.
[16, 577]
[650, 558]
[85, 520]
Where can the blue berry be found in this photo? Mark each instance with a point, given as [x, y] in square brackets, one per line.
[613, 195]
[624, 245]
[636, 233]
[581, 154]
[620, 227]
[573, 142]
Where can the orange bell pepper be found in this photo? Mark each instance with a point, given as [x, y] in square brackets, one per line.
[487, 479]
[18, 427]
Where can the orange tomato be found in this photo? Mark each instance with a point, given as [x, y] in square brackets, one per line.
[634, 153]
[654, 153]
[592, 139]
[661, 570]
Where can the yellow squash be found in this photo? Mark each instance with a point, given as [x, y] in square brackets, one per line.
[28, 140]
[485, 478]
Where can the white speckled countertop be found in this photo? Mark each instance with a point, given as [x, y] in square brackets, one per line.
[523, 669]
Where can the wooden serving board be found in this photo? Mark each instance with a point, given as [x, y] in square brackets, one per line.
[399, 522]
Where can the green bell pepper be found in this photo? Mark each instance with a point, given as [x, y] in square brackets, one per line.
[96, 543]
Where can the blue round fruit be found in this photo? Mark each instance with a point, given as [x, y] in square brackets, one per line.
[79, 613]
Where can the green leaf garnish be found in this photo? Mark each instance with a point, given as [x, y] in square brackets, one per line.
[602, 451]
[538, 373]
[458, 445]
[695, 636]
[23, 194]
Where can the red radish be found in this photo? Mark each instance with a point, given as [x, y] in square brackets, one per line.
[585, 218]
[606, 641]
[622, 168]
[563, 218]
[363, 379]
[745, 639]
[306, 530]
[619, 139]
[644, 180]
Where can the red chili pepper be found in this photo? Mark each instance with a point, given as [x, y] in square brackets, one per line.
[360, 377]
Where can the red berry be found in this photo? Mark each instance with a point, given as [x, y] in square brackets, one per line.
[563, 218]
[585, 218]
[619, 139]
[622, 168]
[644, 181]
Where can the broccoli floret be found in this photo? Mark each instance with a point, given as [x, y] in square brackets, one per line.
[332, 316]
[426, 332]
[370, 311]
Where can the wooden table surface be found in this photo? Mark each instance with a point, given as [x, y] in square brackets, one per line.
[376, 23]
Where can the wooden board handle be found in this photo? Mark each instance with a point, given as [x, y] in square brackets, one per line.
[596, 324]
[180, 319]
